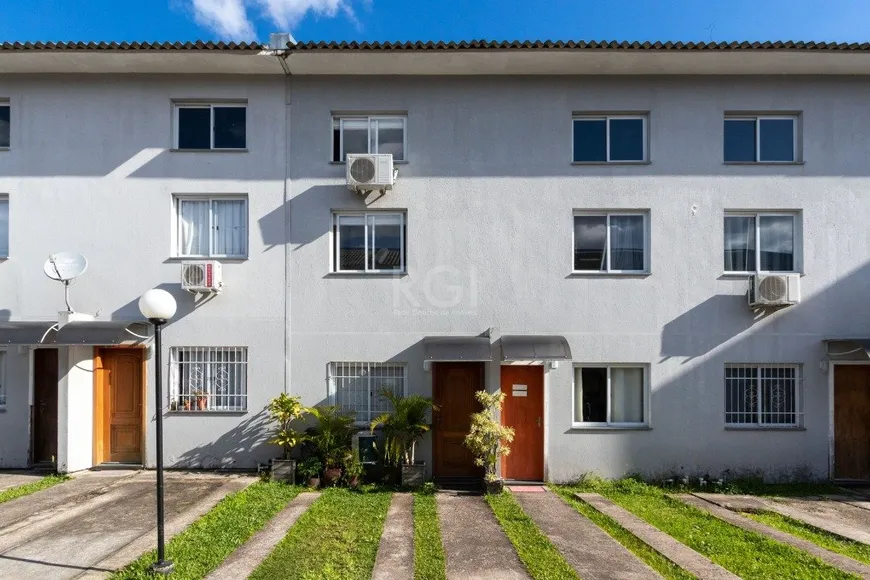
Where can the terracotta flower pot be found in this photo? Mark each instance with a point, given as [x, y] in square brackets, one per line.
[188, 405]
[314, 482]
[202, 403]
[331, 475]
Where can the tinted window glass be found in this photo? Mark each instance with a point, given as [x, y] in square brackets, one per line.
[590, 240]
[229, 127]
[352, 243]
[590, 140]
[739, 244]
[385, 246]
[593, 398]
[356, 136]
[777, 139]
[626, 140]
[739, 140]
[626, 242]
[4, 227]
[391, 137]
[194, 128]
[4, 125]
[776, 238]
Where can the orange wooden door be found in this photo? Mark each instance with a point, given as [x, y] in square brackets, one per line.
[454, 385]
[851, 424]
[523, 409]
[120, 382]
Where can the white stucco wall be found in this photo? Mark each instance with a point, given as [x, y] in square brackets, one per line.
[75, 408]
[90, 170]
[489, 192]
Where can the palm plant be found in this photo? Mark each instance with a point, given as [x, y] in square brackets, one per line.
[404, 427]
[332, 434]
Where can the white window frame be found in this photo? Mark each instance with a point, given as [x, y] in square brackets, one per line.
[644, 117]
[211, 397]
[608, 214]
[5, 103]
[757, 120]
[798, 397]
[3, 393]
[610, 424]
[177, 225]
[211, 106]
[332, 392]
[797, 218]
[373, 144]
[335, 231]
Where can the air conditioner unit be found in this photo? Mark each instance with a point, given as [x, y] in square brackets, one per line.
[774, 290]
[366, 172]
[364, 445]
[202, 276]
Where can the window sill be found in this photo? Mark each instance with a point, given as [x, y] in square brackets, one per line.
[764, 428]
[222, 259]
[209, 150]
[366, 275]
[403, 162]
[590, 274]
[611, 163]
[5, 148]
[184, 413]
[581, 427]
[766, 163]
[743, 275]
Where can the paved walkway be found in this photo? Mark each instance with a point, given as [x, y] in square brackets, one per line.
[675, 551]
[475, 546]
[835, 517]
[14, 478]
[592, 553]
[395, 559]
[242, 562]
[837, 560]
[98, 530]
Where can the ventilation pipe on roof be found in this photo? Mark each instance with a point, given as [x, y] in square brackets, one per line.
[279, 46]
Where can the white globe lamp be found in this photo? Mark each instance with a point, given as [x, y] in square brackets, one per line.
[157, 304]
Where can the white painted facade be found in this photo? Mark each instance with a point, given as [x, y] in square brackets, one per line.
[489, 191]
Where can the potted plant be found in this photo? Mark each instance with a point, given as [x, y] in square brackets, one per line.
[403, 429]
[309, 470]
[188, 403]
[331, 436]
[488, 439]
[284, 410]
[201, 400]
[353, 470]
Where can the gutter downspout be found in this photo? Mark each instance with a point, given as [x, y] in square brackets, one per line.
[282, 60]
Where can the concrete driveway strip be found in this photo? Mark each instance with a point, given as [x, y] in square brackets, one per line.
[395, 559]
[242, 562]
[10, 479]
[65, 548]
[592, 553]
[474, 543]
[677, 552]
[836, 560]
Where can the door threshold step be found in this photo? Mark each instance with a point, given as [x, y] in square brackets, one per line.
[117, 466]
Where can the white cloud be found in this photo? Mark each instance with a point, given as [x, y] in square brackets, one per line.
[228, 18]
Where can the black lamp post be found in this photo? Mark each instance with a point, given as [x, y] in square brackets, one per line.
[158, 306]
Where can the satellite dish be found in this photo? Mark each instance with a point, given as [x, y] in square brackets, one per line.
[65, 266]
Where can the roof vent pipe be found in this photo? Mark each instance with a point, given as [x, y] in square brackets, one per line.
[280, 40]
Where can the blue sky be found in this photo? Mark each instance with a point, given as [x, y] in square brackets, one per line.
[830, 20]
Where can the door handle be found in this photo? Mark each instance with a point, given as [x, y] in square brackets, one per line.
[539, 421]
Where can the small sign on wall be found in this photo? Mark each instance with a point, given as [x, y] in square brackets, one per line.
[520, 391]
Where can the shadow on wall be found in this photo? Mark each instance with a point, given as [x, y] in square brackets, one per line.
[239, 448]
[312, 213]
[706, 326]
[5, 314]
[186, 301]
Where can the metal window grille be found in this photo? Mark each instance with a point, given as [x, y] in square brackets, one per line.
[356, 387]
[208, 379]
[2, 378]
[767, 395]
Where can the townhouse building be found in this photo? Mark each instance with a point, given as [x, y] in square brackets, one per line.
[576, 224]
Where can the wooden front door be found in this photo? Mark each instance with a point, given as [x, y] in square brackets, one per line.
[45, 379]
[523, 409]
[453, 392]
[118, 405]
[851, 424]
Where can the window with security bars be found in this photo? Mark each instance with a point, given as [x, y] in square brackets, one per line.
[357, 387]
[208, 379]
[763, 395]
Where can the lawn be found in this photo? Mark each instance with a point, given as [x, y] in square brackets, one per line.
[832, 542]
[336, 539]
[744, 553]
[429, 561]
[32, 487]
[207, 542]
[537, 553]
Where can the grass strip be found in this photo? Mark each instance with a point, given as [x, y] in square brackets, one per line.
[825, 539]
[32, 487]
[336, 539]
[745, 553]
[429, 560]
[207, 542]
[537, 553]
[636, 546]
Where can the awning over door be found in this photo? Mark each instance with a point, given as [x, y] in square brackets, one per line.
[457, 348]
[102, 332]
[848, 348]
[528, 347]
[27, 332]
